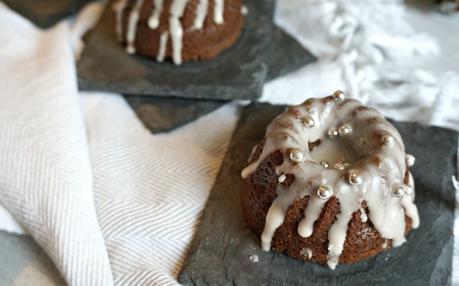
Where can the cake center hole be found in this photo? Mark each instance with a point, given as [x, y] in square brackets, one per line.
[330, 151]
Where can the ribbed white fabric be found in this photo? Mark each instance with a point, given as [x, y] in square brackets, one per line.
[46, 177]
[113, 204]
[150, 190]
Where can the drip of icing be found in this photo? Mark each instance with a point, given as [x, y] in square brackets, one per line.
[119, 8]
[274, 219]
[153, 21]
[132, 27]
[407, 201]
[218, 11]
[176, 30]
[162, 46]
[380, 166]
[311, 214]
[349, 203]
[363, 215]
[201, 12]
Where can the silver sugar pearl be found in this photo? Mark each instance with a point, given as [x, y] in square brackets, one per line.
[340, 166]
[410, 160]
[324, 192]
[344, 130]
[282, 178]
[355, 179]
[297, 155]
[325, 164]
[338, 96]
[398, 191]
[332, 132]
[408, 190]
[387, 140]
[308, 122]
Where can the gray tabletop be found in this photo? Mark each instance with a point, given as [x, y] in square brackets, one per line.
[23, 262]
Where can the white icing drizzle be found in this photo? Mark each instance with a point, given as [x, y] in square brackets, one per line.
[363, 215]
[380, 168]
[162, 46]
[132, 27]
[218, 11]
[119, 8]
[176, 30]
[153, 21]
[177, 9]
[201, 12]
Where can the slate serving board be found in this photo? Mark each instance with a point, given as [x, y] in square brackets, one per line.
[165, 114]
[24, 263]
[285, 55]
[45, 13]
[223, 249]
[162, 114]
[237, 73]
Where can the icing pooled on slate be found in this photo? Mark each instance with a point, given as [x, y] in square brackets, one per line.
[335, 147]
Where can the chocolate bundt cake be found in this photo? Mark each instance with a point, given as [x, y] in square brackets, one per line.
[329, 183]
[183, 30]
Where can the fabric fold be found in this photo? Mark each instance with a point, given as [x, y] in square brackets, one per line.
[149, 190]
[46, 178]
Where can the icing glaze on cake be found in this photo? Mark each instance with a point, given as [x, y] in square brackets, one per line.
[335, 147]
[175, 30]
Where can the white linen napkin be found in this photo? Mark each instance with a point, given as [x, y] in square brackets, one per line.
[111, 203]
[46, 178]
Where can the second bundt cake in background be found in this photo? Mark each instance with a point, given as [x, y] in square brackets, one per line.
[182, 30]
[330, 182]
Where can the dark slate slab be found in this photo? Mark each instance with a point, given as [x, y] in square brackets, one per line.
[162, 114]
[286, 55]
[23, 262]
[237, 73]
[221, 250]
[45, 13]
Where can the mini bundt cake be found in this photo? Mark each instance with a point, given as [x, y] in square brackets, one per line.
[329, 183]
[183, 30]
